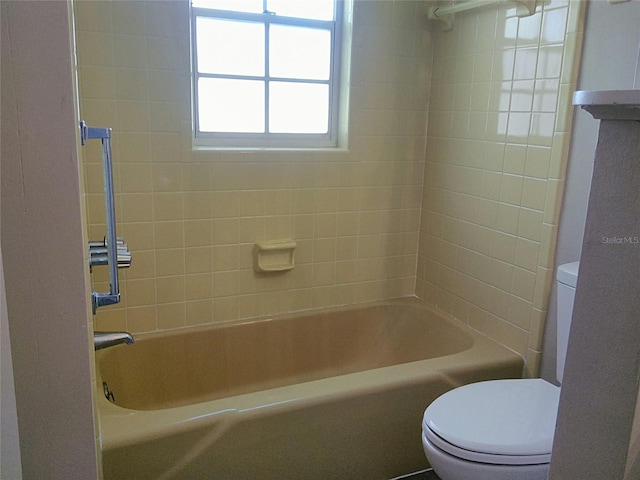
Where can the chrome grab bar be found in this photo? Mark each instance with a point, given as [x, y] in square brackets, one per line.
[104, 135]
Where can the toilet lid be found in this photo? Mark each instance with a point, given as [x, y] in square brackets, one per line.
[499, 417]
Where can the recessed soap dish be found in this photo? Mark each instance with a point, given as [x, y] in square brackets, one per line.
[274, 256]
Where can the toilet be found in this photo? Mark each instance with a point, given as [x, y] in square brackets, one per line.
[500, 429]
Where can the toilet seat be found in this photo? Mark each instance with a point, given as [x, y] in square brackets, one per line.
[506, 422]
[482, 457]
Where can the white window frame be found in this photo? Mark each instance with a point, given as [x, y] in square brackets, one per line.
[267, 139]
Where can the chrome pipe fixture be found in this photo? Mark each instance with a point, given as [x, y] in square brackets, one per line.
[446, 14]
[98, 253]
[109, 339]
[111, 242]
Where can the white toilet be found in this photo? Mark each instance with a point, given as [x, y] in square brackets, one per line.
[500, 429]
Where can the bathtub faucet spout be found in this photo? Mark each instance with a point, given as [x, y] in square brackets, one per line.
[109, 339]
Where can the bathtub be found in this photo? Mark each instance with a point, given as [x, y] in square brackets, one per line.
[336, 394]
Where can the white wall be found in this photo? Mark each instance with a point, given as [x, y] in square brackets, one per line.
[43, 246]
[610, 57]
[610, 61]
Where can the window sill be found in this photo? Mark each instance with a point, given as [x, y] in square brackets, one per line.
[249, 154]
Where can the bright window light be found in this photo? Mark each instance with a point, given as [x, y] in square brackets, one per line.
[302, 53]
[230, 47]
[266, 72]
[298, 107]
[233, 105]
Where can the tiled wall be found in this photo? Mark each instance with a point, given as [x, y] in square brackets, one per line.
[481, 232]
[191, 217]
[499, 123]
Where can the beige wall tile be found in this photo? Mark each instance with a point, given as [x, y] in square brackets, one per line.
[197, 205]
[226, 283]
[140, 292]
[130, 50]
[523, 97]
[131, 147]
[142, 319]
[225, 309]
[524, 283]
[136, 207]
[167, 177]
[169, 234]
[99, 112]
[199, 312]
[165, 147]
[170, 262]
[198, 233]
[527, 254]
[131, 84]
[511, 189]
[95, 47]
[128, 17]
[198, 259]
[139, 236]
[363, 219]
[94, 16]
[143, 267]
[135, 178]
[100, 82]
[132, 115]
[534, 193]
[171, 315]
[111, 319]
[170, 289]
[530, 224]
[548, 244]
[225, 257]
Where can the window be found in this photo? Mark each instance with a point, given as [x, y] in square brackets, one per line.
[266, 72]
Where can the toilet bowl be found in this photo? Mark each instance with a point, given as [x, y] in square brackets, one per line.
[495, 430]
[500, 429]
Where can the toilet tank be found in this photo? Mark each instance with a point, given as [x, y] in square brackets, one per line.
[566, 278]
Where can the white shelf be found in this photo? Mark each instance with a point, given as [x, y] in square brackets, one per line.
[610, 104]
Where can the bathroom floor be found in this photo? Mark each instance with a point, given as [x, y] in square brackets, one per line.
[426, 475]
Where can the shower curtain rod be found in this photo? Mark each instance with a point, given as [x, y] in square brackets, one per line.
[524, 8]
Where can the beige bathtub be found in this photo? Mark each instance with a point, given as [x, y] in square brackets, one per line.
[331, 395]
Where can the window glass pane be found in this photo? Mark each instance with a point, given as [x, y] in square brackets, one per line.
[298, 107]
[230, 47]
[251, 6]
[316, 9]
[231, 105]
[297, 52]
